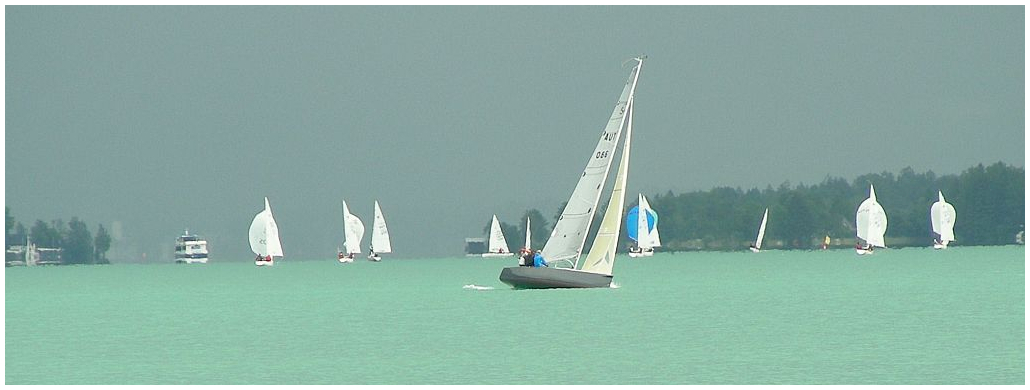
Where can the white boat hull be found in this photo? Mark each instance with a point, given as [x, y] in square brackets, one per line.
[509, 254]
[345, 259]
[262, 263]
[375, 258]
[641, 254]
[754, 250]
[863, 251]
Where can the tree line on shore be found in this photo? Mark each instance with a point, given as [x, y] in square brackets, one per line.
[989, 202]
[77, 245]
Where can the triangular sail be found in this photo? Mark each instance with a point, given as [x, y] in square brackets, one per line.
[353, 231]
[650, 233]
[761, 230]
[380, 235]
[601, 258]
[264, 234]
[528, 243]
[570, 230]
[942, 219]
[275, 247]
[497, 243]
[871, 221]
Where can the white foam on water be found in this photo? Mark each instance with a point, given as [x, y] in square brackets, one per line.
[614, 285]
[476, 287]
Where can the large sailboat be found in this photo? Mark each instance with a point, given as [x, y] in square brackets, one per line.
[353, 231]
[564, 247]
[871, 224]
[380, 236]
[642, 227]
[757, 246]
[497, 246]
[264, 237]
[942, 221]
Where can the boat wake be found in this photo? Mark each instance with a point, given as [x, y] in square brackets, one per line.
[614, 285]
[476, 287]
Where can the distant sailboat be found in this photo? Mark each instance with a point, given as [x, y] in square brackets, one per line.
[942, 221]
[264, 237]
[353, 231]
[380, 236]
[757, 246]
[568, 237]
[642, 227]
[871, 224]
[497, 246]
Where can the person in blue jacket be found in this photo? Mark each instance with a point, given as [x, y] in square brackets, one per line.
[538, 261]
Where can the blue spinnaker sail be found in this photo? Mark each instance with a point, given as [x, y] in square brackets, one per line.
[631, 222]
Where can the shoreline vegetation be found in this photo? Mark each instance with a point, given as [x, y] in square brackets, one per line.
[989, 201]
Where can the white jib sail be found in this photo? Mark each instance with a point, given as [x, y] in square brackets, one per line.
[871, 221]
[643, 237]
[497, 243]
[656, 239]
[380, 235]
[601, 258]
[761, 230]
[570, 230]
[353, 231]
[942, 218]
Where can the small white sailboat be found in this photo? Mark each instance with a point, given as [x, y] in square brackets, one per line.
[353, 231]
[942, 221]
[757, 246]
[497, 246]
[871, 224]
[642, 227]
[264, 237]
[564, 247]
[380, 236]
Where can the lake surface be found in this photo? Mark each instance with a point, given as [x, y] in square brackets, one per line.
[900, 316]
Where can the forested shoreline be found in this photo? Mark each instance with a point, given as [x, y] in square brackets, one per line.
[989, 203]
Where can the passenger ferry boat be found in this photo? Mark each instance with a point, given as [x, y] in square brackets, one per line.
[190, 249]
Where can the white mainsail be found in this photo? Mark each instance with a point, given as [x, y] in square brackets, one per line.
[380, 235]
[353, 231]
[570, 230]
[527, 234]
[497, 243]
[601, 258]
[761, 230]
[264, 234]
[942, 219]
[871, 221]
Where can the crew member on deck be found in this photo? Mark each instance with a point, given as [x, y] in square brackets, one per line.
[538, 260]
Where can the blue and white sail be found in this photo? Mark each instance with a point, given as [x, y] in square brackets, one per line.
[643, 227]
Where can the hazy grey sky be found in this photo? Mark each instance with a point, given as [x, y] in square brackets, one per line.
[156, 119]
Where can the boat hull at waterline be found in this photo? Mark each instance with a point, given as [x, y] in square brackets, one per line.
[505, 254]
[261, 263]
[647, 253]
[546, 277]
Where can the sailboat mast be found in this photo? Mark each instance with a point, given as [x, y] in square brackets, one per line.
[625, 120]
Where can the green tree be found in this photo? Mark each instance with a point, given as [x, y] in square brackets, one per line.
[101, 244]
[44, 235]
[540, 231]
[78, 243]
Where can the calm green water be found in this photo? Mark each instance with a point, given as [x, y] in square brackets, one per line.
[904, 316]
